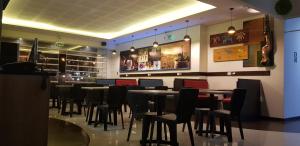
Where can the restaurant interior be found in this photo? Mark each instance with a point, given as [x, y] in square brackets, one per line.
[149, 72]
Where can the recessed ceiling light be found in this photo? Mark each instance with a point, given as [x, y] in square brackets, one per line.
[172, 15]
[251, 10]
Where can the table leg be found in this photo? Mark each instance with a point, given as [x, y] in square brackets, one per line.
[115, 113]
[159, 123]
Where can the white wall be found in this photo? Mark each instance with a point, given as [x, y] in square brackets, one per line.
[194, 32]
[272, 104]
[292, 68]
[202, 60]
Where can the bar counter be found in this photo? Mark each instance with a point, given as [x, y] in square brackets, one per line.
[24, 108]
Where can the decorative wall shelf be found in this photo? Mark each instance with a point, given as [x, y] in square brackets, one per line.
[80, 65]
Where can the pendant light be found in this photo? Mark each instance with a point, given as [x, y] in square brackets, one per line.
[132, 49]
[155, 43]
[231, 29]
[186, 37]
[114, 52]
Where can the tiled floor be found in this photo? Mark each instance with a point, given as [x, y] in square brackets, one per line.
[116, 136]
[61, 133]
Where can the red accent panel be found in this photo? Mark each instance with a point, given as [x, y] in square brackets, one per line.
[197, 84]
[226, 100]
[121, 82]
[203, 97]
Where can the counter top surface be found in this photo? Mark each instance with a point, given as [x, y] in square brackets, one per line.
[27, 73]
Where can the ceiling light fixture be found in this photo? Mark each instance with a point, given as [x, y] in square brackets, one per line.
[251, 10]
[132, 49]
[175, 14]
[155, 43]
[114, 52]
[231, 29]
[186, 37]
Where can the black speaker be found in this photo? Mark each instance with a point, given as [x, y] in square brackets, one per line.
[103, 44]
[9, 52]
[283, 7]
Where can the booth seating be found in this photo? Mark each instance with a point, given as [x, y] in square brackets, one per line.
[203, 103]
[106, 82]
[251, 109]
[190, 83]
[126, 82]
[117, 82]
[195, 84]
[150, 82]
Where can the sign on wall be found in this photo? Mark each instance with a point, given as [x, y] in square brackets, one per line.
[224, 39]
[231, 54]
[170, 56]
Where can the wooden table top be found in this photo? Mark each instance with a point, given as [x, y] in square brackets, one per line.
[64, 86]
[170, 92]
[95, 88]
[215, 91]
[154, 92]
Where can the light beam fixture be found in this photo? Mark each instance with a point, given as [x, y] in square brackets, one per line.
[155, 43]
[186, 37]
[114, 52]
[132, 49]
[231, 29]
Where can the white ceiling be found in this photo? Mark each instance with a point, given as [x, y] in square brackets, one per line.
[108, 16]
[93, 15]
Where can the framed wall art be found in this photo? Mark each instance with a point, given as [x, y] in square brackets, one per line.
[169, 56]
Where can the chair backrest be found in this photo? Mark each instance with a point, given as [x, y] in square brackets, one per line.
[53, 91]
[186, 104]
[116, 96]
[178, 84]
[64, 92]
[93, 96]
[137, 103]
[237, 101]
[76, 91]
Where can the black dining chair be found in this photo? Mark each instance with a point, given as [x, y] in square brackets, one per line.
[227, 116]
[151, 102]
[65, 97]
[115, 98]
[202, 112]
[53, 96]
[91, 100]
[153, 106]
[184, 111]
[138, 106]
[78, 96]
